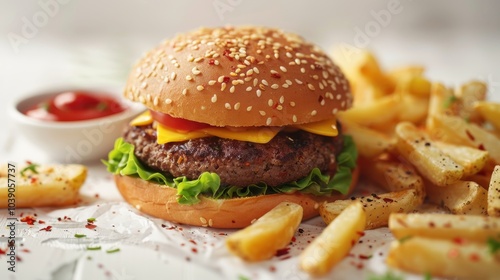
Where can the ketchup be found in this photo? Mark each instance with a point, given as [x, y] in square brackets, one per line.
[75, 106]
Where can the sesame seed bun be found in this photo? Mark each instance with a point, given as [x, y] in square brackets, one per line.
[160, 201]
[243, 76]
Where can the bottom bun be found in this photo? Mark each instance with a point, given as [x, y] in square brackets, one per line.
[161, 202]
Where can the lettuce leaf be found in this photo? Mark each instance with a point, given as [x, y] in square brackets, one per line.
[122, 161]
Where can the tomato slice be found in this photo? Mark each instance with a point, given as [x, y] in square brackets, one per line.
[177, 123]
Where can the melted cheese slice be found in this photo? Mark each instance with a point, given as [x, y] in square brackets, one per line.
[255, 134]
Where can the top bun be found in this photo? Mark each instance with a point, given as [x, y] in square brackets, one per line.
[240, 76]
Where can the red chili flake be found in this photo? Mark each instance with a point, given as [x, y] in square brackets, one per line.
[360, 266]
[3, 252]
[211, 61]
[432, 224]
[96, 195]
[18, 258]
[276, 75]
[364, 257]
[272, 268]
[90, 226]
[226, 54]
[320, 99]
[100, 265]
[453, 253]
[447, 225]
[226, 80]
[47, 228]
[22, 214]
[471, 137]
[294, 239]
[33, 180]
[285, 257]
[481, 147]
[41, 221]
[361, 233]
[222, 233]
[59, 219]
[388, 200]
[353, 242]
[194, 250]
[458, 240]
[192, 241]
[282, 252]
[474, 257]
[26, 250]
[30, 220]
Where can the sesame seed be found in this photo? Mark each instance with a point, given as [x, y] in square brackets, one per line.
[198, 59]
[262, 113]
[256, 70]
[342, 104]
[216, 62]
[233, 74]
[200, 88]
[195, 71]
[282, 99]
[258, 92]
[285, 85]
[189, 78]
[212, 82]
[298, 81]
[288, 82]
[265, 83]
[232, 89]
[155, 102]
[302, 70]
[237, 106]
[297, 61]
[241, 66]
[235, 82]
[289, 55]
[329, 95]
[168, 101]
[184, 91]
[315, 77]
[227, 106]
[144, 85]
[322, 103]
[268, 121]
[249, 88]
[283, 68]
[142, 99]
[210, 223]
[270, 102]
[299, 55]
[275, 86]
[292, 104]
[177, 65]
[313, 113]
[321, 86]
[246, 62]
[255, 81]
[334, 111]
[310, 86]
[148, 97]
[222, 86]
[173, 76]
[339, 96]
[214, 98]
[249, 72]
[220, 79]
[203, 220]
[325, 74]
[276, 55]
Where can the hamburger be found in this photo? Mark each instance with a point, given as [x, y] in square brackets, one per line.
[239, 119]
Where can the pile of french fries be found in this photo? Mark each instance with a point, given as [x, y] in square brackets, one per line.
[421, 143]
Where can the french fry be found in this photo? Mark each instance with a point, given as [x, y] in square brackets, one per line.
[378, 208]
[413, 108]
[445, 226]
[405, 72]
[264, 237]
[370, 143]
[417, 148]
[43, 185]
[463, 197]
[444, 258]
[490, 111]
[471, 159]
[379, 112]
[335, 242]
[494, 193]
[440, 101]
[393, 176]
[469, 94]
[457, 130]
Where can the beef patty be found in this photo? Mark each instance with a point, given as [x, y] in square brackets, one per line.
[287, 157]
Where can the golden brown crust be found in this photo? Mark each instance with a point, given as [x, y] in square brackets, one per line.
[244, 76]
[160, 201]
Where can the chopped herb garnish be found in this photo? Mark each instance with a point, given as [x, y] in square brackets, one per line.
[91, 220]
[389, 275]
[93, 248]
[101, 106]
[44, 105]
[32, 167]
[493, 245]
[241, 277]
[449, 101]
[77, 235]
[428, 276]
[404, 238]
[110, 251]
